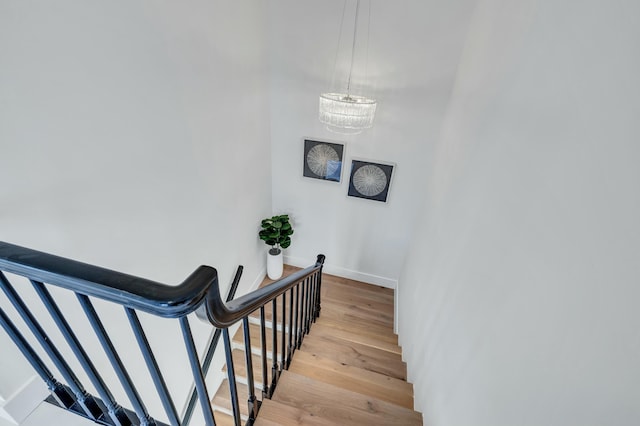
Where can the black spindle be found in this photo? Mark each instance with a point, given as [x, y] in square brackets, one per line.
[319, 262]
[231, 374]
[307, 317]
[86, 401]
[295, 318]
[318, 289]
[252, 401]
[198, 376]
[314, 286]
[302, 312]
[211, 349]
[283, 331]
[152, 365]
[116, 412]
[275, 374]
[61, 393]
[290, 347]
[263, 344]
[115, 360]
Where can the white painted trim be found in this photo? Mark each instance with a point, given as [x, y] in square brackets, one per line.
[344, 272]
[396, 298]
[26, 399]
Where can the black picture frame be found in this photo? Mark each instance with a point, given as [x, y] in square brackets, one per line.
[370, 180]
[323, 160]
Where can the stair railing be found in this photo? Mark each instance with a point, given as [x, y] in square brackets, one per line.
[303, 289]
[199, 293]
[211, 349]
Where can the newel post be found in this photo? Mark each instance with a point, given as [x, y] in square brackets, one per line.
[319, 262]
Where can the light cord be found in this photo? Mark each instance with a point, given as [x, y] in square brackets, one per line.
[335, 62]
[353, 47]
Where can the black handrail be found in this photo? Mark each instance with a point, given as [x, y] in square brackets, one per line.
[224, 315]
[133, 292]
[199, 293]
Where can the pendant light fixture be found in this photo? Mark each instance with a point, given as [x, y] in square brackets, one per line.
[345, 112]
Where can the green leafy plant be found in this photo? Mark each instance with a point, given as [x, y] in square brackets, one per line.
[276, 232]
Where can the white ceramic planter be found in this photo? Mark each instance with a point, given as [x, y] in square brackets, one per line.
[274, 265]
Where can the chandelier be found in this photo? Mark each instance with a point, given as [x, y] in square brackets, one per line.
[344, 112]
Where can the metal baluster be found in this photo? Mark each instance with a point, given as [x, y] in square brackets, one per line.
[295, 319]
[61, 393]
[233, 389]
[252, 402]
[284, 332]
[316, 307]
[308, 307]
[211, 349]
[302, 312]
[116, 362]
[86, 401]
[116, 412]
[319, 261]
[263, 344]
[275, 374]
[198, 376]
[312, 303]
[290, 348]
[152, 365]
[314, 292]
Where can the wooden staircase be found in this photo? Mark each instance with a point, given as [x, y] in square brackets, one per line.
[348, 371]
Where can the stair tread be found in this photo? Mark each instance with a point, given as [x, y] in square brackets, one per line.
[371, 299]
[340, 405]
[357, 316]
[384, 334]
[274, 413]
[352, 378]
[356, 354]
[355, 319]
[321, 328]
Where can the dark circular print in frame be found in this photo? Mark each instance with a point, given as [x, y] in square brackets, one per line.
[370, 180]
[323, 160]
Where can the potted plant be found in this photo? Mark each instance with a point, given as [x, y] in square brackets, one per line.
[276, 232]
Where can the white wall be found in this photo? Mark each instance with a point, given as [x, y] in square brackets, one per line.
[413, 50]
[519, 301]
[135, 135]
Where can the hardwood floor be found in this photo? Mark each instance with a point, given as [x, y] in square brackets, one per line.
[348, 371]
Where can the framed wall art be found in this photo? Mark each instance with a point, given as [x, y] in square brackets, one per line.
[370, 180]
[323, 160]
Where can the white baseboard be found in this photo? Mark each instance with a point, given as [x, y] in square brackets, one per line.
[396, 307]
[17, 407]
[344, 272]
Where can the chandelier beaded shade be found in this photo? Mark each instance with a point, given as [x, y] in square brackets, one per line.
[347, 111]
[343, 110]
